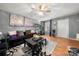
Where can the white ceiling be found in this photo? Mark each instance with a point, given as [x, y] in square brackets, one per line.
[25, 9]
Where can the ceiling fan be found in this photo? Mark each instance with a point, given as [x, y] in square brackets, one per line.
[41, 8]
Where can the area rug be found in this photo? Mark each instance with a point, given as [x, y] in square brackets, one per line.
[49, 48]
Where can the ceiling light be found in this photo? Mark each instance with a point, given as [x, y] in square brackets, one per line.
[40, 8]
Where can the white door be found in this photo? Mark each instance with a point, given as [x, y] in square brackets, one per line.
[63, 28]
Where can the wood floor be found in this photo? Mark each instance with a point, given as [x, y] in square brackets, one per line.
[62, 45]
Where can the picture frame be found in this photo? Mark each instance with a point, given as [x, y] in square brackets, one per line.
[16, 20]
[28, 22]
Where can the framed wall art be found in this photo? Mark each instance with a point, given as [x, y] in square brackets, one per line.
[16, 20]
[28, 22]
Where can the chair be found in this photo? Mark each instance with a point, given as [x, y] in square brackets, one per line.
[27, 49]
[37, 49]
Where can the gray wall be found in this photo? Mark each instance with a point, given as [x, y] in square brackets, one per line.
[73, 26]
[4, 23]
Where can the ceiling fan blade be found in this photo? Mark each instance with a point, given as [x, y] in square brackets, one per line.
[45, 10]
[48, 11]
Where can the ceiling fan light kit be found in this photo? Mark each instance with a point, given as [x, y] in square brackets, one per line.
[41, 8]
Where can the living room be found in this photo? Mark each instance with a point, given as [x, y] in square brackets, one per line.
[56, 23]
